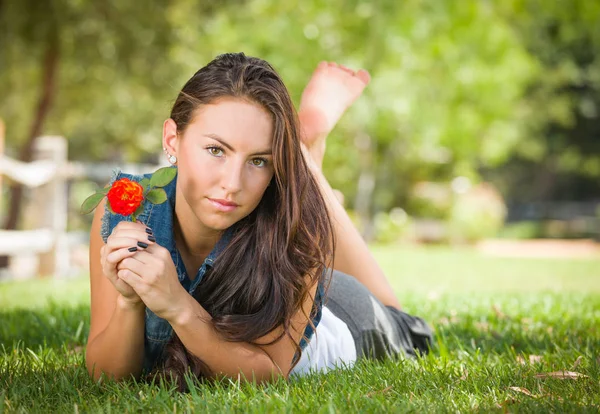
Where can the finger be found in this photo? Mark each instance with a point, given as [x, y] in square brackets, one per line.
[140, 234]
[133, 265]
[139, 258]
[118, 255]
[132, 279]
[131, 240]
[126, 228]
[128, 225]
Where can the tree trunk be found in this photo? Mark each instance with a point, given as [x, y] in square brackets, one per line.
[26, 154]
[363, 202]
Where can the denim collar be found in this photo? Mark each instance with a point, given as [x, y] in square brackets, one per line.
[160, 218]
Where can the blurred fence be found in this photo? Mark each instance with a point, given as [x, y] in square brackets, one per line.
[45, 240]
[580, 218]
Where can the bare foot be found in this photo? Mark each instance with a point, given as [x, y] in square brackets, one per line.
[330, 91]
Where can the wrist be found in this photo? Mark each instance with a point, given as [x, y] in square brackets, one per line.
[127, 304]
[184, 313]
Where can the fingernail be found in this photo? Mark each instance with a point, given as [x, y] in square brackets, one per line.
[151, 238]
[149, 230]
[132, 249]
[142, 244]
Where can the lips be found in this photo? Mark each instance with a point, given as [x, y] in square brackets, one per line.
[224, 202]
[223, 205]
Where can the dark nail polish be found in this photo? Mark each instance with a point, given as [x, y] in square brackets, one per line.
[149, 230]
[132, 249]
[142, 244]
[152, 238]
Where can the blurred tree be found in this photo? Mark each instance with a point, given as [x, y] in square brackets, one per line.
[560, 158]
[95, 72]
[445, 96]
[458, 87]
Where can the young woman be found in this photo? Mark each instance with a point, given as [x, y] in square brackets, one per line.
[244, 272]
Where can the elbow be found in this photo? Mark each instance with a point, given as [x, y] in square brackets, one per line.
[261, 371]
[96, 372]
[267, 372]
[93, 371]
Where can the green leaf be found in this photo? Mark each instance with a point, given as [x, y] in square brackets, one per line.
[91, 203]
[104, 190]
[163, 176]
[156, 196]
[145, 183]
[109, 208]
[139, 210]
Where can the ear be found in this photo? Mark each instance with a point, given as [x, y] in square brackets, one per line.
[170, 141]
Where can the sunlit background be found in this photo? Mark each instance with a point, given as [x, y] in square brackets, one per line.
[481, 126]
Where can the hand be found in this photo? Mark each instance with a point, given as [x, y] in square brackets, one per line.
[152, 275]
[124, 236]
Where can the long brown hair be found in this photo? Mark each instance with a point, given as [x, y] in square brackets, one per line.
[259, 281]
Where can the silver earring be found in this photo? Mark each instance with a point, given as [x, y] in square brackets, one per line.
[172, 158]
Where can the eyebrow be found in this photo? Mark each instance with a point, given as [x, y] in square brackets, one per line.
[225, 144]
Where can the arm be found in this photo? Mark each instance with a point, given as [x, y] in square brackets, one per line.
[352, 255]
[192, 324]
[261, 363]
[230, 359]
[116, 340]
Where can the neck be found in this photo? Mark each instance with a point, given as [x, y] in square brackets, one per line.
[193, 239]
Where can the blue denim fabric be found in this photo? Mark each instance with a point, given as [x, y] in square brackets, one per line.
[159, 217]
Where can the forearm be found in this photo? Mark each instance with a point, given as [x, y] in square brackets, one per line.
[118, 351]
[231, 359]
[352, 255]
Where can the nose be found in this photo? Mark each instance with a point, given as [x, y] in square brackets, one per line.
[232, 177]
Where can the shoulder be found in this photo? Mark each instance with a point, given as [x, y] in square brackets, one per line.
[117, 174]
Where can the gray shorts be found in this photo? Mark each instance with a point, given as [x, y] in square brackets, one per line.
[379, 331]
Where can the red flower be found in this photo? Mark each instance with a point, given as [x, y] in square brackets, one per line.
[125, 196]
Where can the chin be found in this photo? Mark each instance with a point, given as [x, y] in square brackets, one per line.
[220, 223]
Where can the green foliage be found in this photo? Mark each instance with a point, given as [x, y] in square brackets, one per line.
[92, 202]
[156, 196]
[162, 177]
[477, 214]
[522, 230]
[458, 87]
[392, 226]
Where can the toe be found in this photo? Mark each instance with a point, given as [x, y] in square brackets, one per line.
[347, 70]
[364, 76]
[322, 64]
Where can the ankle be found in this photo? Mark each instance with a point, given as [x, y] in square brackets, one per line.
[313, 126]
[317, 153]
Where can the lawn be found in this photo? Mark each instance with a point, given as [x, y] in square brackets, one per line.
[511, 334]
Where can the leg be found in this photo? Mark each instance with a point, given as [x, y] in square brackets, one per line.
[331, 90]
[379, 331]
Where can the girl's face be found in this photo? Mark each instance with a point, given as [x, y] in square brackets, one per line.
[224, 161]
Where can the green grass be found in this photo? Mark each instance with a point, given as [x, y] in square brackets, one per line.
[489, 315]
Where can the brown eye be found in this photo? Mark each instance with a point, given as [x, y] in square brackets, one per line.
[215, 151]
[259, 162]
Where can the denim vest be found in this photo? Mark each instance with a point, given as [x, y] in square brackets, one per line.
[159, 217]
